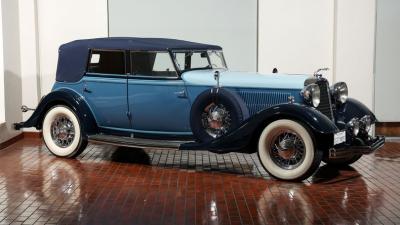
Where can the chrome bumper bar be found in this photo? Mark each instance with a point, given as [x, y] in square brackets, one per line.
[346, 151]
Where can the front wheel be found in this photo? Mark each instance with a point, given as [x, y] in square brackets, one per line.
[286, 150]
[62, 132]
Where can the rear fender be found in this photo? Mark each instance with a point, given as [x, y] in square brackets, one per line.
[64, 97]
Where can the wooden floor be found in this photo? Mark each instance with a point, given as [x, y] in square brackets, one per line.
[109, 185]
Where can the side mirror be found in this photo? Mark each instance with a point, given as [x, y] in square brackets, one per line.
[203, 55]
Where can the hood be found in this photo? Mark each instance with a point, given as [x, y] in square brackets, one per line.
[245, 79]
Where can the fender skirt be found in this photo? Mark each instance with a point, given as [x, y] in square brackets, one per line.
[248, 132]
[65, 97]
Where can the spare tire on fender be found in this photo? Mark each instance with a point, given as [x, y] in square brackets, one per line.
[216, 112]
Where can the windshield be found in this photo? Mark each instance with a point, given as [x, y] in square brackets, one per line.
[197, 60]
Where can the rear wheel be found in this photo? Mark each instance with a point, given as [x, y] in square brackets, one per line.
[62, 132]
[286, 150]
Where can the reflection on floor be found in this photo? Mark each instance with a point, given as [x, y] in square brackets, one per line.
[108, 185]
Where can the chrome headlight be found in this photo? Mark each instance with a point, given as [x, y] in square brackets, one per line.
[366, 123]
[340, 92]
[311, 94]
[354, 126]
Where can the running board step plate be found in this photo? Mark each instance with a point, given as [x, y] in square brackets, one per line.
[134, 142]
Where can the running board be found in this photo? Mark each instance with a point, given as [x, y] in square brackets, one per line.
[135, 142]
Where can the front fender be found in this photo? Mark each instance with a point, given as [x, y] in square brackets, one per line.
[65, 97]
[352, 108]
[320, 125]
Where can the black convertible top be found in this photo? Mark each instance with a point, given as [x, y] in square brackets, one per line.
[73, 56]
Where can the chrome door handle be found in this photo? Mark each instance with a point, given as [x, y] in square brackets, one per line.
[181, 94]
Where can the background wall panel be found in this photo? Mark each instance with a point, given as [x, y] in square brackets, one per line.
[387, 76]
[2, 106]
[354, 51]
[12, 68]
[296, 36]
[63, 21]
[231, 24]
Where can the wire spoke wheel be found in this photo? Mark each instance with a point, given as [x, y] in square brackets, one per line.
[62, 131]
[287, 149]
[216, 120]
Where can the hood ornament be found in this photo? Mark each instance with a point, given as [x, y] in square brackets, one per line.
[318, 73]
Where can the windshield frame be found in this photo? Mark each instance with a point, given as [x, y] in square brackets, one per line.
[207, 51]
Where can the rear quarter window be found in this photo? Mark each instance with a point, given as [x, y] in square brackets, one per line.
[107, 62]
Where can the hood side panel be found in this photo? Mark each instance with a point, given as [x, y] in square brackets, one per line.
[244, 79]
[258, 91]
[256, 99]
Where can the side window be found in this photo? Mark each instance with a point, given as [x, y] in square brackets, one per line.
[199, 60]
[155, 64]
[108, 62]
[191, 60]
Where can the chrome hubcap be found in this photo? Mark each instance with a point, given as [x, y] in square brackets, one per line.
[62, 131]
[216, 120]
[287, 149]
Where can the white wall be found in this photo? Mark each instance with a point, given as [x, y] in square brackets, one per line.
[29, 55]
[2, 106]
[296, 36]
[355, 44]
[33, 30]
[12, 68]
[300, 36]
[63, 21]
[231, 24]
[387, 75]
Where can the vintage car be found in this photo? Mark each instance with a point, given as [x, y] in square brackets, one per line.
[167, 93]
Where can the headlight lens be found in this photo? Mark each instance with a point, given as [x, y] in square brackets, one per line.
[366, 123]
[311, 94]
[340, 92]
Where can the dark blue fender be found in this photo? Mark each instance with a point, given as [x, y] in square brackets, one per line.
[352, 108]
[65, 97]
[248, 133]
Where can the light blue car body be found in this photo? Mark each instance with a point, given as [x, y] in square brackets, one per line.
[162, 106]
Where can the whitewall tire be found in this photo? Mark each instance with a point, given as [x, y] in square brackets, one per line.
[62, 132]
[286, 150]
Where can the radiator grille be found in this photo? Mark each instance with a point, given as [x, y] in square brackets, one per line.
[259, 100]
[325, 106]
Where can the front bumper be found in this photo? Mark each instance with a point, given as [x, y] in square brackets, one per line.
[344, 151]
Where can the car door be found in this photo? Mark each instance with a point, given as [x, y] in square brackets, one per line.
[157, 96]
[105, 88]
